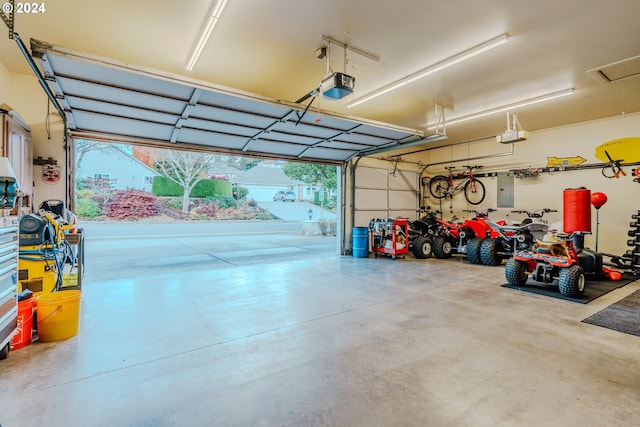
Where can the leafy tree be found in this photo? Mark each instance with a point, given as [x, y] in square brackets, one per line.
[100, 189]
[239, 192]
[185, 168]
[313, 174]
[144, 154]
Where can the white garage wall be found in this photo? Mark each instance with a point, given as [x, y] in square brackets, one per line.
[24, 94]
[546, 191]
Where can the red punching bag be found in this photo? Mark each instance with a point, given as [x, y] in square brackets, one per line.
[577, 210]
[598, 199]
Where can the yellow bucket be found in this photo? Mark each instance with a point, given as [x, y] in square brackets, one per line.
[58, 315]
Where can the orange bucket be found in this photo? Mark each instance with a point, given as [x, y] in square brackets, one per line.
[25, 324]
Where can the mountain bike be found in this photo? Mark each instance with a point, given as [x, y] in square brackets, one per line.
[441, 186]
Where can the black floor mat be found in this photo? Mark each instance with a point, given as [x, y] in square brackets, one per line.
[623, 316]
[592, 290]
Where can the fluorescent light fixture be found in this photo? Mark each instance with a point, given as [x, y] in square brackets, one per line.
[216, 10]
[503, 108]
[462, 56]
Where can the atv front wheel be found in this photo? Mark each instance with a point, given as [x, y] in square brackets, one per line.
[473, 250]
[442, 247]
[516, 272]
[422, 247]
[489, 252]
[571, 281]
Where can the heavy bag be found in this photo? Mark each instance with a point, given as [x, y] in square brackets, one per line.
[577, 210]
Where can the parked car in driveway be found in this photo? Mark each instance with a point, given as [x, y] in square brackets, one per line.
[284, 196]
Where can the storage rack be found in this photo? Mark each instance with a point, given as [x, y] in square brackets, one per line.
[8, 282]
[634, 253]
[389, 236]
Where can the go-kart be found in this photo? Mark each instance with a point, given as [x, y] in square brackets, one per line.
[549, 260]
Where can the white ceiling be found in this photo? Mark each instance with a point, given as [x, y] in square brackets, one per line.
[268, 48]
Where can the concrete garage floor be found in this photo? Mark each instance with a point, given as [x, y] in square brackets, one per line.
[335, 341]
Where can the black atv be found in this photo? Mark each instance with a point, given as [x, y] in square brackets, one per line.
[421, 232]
[513, 237]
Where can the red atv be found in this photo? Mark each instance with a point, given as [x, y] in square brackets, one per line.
[462, 237]
[549, 260]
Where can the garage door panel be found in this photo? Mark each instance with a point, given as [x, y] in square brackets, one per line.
[119, 97]
[108, 76]
[372, 178]
[108, 109]
[194, 136]
[326, 153]
[293, 138]
[242, 104]
[371, 141]
[315, 131]
[334, 124]
[362, 218]
[119, 89]
[219, 114]
[323, 153]
[403, 180]
[122, 126]
[385, 193]
[343, 146]
[402, 200]
[371, 199]
[264, 146]
[219, 128]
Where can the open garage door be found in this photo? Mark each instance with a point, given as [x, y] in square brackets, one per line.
[384, 193]
[107, 100]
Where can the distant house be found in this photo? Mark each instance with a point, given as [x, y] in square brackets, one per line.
[125, 171]
[264, 180]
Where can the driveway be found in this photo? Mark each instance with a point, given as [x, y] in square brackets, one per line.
[296, 211]
[127, 250]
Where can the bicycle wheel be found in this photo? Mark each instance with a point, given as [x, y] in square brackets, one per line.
[439, 186]
[474, 191]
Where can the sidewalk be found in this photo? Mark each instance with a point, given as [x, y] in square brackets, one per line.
[296, 211]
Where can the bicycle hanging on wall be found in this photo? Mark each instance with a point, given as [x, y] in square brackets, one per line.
[441, 186]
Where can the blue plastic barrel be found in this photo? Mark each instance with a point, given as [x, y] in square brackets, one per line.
[361, 242]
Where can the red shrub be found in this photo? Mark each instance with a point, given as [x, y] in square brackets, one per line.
[132, 204]
[206, 209]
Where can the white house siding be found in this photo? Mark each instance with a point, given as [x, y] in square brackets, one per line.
[127, 171]
[263, 193]
[263, 181]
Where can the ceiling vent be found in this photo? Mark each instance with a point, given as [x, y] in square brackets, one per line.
[621, 70]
